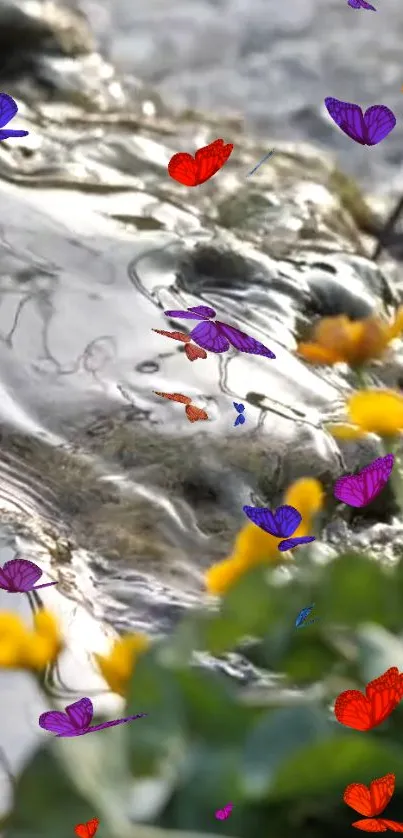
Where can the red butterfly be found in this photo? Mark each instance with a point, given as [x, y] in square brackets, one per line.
[193, 413]
[372, 801]
[192, 351]
[363, 712]
[88, 829]
[192, 171]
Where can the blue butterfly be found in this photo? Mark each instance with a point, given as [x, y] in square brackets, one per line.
[240, 409]
[8, 109]
[303, 614]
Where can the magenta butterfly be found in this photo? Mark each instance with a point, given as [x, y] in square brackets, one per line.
[282, 524]
[359, 489]
[361, 4]
[367, 129]
[217, 336]
[223, 814]
[19, 576]
[76, 721]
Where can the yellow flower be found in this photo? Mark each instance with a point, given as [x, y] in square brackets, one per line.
[371, 411]
[22, 648]
[222, 575]
[339, 339]
[254, 546]
[118, 666]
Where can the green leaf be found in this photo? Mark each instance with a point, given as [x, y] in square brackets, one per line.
[252, 603]
[213, 714]
[275, 739]
[356, 589]
[160, 736]
[330, 765]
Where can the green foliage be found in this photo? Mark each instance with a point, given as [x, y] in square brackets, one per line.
[276, 752]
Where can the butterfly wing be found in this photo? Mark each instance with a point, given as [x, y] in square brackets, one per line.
[361, 4]
[263, 518]
[174, 335]
[350, 489]
[373, 800]
[379, 122]
[384, 693]
[21, 574]
[288, 519]
[194, 414]
[191, 314]
[378, 825]
[115, 722]
[242, 341]
[381, 792]
[88, 829]
[360, 489]
[290, 543]
[175, 397]
[353, 709]
[182, 168]
[57, 722]
[348, 117]
[394, 826]
[4, 580]
[208, 336]
[210, 159]
[80, 713]
[240, 420]
[303, 614]
[370, 825]
[4, 135]
[8, 109]
[239, 407]
[358, 796]
[194, 352]
[203, 311]
[375, 476]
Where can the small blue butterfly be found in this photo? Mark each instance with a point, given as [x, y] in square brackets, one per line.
[240, 409]
[303, 614]
[8, 109]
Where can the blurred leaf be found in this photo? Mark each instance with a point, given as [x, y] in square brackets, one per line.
[46, 803]
[252, 603]
[332, 764]
[212, 711]
[160, 736]
[209, 781]
[276, 738]
[357, 589]
[303, 654]
[378, 650]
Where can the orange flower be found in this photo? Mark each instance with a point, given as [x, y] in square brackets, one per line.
[341, 340]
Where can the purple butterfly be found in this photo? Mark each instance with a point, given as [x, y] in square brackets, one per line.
[223, 814]
[8, 109]
[19, 576]
[217, 336]
[361, 4]
[359, 489]
[76, 721]
[367, 129]
[281, 523]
